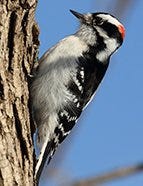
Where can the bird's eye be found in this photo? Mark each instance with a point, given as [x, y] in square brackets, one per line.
[98, 21]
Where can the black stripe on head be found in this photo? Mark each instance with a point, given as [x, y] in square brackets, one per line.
[112, 31]
[100, 44]
[109, 28]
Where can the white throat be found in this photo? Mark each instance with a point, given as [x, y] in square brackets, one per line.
[86, 34]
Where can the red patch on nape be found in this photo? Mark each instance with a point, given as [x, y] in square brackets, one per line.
[122, 30]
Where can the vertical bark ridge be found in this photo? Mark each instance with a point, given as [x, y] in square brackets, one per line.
[18, 50]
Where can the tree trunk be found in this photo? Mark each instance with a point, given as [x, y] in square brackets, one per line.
[18, 50]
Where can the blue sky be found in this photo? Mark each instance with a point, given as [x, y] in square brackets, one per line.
[109, 133]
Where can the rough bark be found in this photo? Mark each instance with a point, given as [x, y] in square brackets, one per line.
[18, 50]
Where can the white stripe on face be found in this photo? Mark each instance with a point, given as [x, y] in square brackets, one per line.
[110, 19]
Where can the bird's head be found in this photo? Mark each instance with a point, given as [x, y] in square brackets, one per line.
[100, 25]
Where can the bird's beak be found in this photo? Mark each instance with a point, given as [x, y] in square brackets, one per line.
[84, 18]
[80, 16]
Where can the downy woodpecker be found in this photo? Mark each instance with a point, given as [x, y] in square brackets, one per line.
[68, 76]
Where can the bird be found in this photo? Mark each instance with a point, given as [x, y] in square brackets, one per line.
[67, 77]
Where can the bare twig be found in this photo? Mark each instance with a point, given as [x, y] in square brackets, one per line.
[116, 174]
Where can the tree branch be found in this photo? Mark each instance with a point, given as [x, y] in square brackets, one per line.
[110, 176]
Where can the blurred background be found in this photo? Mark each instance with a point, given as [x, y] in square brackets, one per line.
[109, 134]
